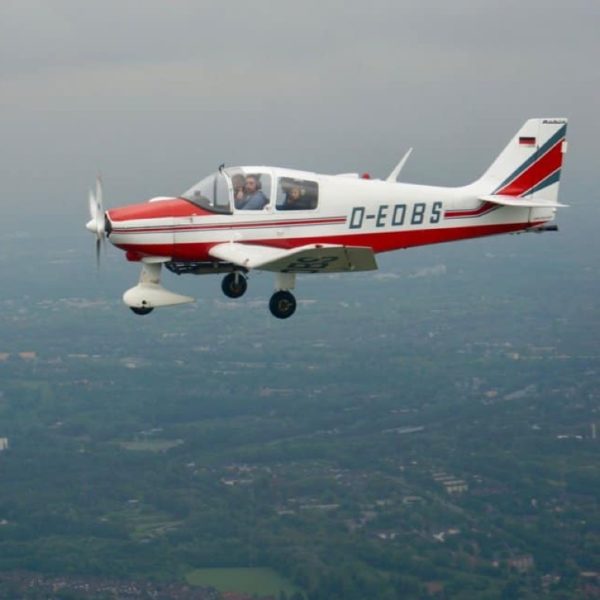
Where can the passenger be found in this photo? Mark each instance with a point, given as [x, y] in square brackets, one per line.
[254, 199]
[293, 199]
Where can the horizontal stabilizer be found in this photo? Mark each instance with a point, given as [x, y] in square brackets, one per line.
[314, 258]
[521, 202]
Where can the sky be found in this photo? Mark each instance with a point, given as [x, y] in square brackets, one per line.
[156, 94]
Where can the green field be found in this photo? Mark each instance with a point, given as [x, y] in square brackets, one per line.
[151, 445]
[260, 581]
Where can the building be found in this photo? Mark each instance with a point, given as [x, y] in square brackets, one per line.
[522, 563]
[456, 486]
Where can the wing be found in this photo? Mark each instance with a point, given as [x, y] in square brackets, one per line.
[521, 202]
[315, 258]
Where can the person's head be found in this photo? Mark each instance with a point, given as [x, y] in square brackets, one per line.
[252, 184]
[294, 194]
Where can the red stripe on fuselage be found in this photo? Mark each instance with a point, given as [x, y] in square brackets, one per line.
[483, 209]
[187, 227]
[379, 242]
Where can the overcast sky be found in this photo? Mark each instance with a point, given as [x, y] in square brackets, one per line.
[156, 94]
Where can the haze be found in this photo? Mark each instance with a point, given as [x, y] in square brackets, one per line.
[156, 94]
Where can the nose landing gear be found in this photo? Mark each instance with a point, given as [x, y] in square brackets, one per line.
[141, 310]
[149, 293]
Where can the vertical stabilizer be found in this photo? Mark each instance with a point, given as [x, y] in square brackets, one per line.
[530, 165]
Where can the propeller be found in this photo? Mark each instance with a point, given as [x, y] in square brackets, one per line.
[97, 223]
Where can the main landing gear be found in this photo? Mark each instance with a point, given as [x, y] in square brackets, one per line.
[282, 304]
[234, 285]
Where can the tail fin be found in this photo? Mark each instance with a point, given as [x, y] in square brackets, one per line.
[530, 165]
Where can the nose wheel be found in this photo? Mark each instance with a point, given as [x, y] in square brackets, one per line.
[234, 285]
[141, 310]
[282, 304]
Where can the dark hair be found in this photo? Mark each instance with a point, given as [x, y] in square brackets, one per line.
[256, 178]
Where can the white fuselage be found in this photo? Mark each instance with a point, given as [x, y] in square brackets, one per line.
[353, 211]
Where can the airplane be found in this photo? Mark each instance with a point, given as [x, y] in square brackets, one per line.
[292, 222]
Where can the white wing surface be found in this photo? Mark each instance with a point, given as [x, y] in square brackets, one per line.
[314, 258]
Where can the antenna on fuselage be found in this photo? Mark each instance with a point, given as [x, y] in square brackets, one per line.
[221, 167]
[393, 176]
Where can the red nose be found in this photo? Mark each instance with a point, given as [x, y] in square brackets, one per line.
[161, 209]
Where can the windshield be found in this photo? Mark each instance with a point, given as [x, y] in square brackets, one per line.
[236, 187]
[213, 192]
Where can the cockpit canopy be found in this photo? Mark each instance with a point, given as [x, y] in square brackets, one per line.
[255, 188]
[237, 187]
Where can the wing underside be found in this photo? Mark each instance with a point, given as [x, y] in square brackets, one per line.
[314, 258]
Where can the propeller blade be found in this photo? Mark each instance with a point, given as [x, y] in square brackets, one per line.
[99, 210]
[98, 243]
[99, 192]
[97, 222]
[100, 224]
[92, 204]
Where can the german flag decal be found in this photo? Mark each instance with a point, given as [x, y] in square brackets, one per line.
[527, 141]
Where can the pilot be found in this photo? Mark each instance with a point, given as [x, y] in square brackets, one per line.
[254, 199]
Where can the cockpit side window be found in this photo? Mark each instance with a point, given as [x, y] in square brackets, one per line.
[297, 194]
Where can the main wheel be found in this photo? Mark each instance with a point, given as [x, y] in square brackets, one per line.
[282, 304]
[234, 285]
[141, 310]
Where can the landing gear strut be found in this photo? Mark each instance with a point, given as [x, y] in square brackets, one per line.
[282, 304]
[234, 285]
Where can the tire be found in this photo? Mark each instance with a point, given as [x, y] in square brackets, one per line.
[232, 288]
[282, 305]
[141, 310]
